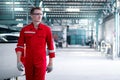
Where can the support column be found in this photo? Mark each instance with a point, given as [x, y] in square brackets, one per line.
[97, 25]
[116, 34]
[27, 14]
[13, 12]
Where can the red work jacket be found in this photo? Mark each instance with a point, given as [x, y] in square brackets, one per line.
[35, 41]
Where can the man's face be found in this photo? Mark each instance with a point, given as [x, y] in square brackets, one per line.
[37, 15]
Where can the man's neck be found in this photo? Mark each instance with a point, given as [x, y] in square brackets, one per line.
[36, 24]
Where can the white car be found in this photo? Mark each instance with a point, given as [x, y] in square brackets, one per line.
[8, 59]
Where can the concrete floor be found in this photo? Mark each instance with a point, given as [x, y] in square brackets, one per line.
[83, 63]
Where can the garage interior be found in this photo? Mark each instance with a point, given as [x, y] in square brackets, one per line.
[83, 26]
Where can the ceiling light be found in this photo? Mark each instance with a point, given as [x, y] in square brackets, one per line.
[20, 25]
[19, 19]
[44, 15]
[12, 2]
[118, 3]
[73, 9]
[45, 9]
[40, 5]
[18, 9]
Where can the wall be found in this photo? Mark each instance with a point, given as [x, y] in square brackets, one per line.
[109, 30]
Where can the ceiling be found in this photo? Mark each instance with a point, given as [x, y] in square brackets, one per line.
[87, 8]
[17, 11]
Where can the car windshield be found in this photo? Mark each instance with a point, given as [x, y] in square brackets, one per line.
[8, 35]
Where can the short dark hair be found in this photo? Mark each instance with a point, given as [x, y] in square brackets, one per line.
[35, 8]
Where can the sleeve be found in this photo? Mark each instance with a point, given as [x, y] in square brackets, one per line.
[50, 44]
[20, 44]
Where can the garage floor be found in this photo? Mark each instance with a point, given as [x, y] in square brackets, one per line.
[83, 63]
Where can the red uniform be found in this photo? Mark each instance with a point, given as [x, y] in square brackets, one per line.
[35, 41]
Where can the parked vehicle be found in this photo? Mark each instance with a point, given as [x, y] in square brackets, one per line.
[8, 59]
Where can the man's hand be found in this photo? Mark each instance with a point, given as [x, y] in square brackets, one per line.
[50, 65]
[49, 69]
[20, 66]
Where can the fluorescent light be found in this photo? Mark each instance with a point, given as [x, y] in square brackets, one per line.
[20, 25]
[19, 19]
[73, 9]
[18, 9]
[45, 9]
[118, 3]
[12, 2]
[44, 15]
[41, 4]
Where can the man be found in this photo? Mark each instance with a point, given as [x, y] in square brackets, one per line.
[33, 38]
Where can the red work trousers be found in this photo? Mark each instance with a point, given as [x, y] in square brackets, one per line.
[35, 72]
[35, 67]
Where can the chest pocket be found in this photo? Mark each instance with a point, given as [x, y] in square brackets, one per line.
[29, 34]
[41, 36]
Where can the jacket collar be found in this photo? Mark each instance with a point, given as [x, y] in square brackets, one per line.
[32, 26]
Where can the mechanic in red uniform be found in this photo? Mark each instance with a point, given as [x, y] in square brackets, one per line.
[34, 37]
